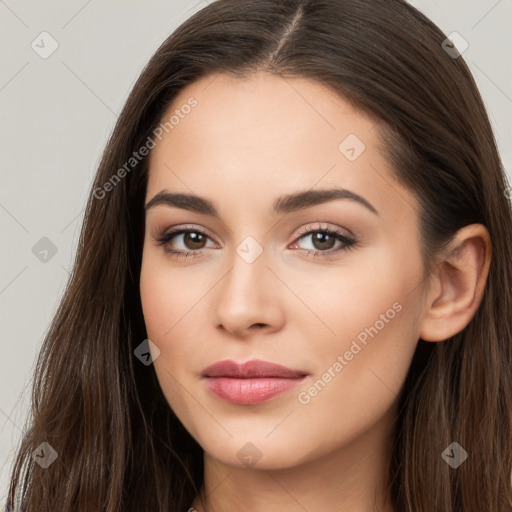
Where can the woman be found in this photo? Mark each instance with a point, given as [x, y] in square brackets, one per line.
[290, 290]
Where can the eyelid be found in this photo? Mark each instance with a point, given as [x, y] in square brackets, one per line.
[324, 226]
[308, 228]
[175, 230]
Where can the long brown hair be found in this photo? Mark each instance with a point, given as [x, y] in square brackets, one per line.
[120, 447]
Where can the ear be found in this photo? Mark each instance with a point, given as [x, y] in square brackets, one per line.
[458, 286]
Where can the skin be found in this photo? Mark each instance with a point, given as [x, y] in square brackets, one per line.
[247, 142]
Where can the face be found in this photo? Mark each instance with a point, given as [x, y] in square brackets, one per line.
[328, 285]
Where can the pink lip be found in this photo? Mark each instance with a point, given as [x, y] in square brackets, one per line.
[250, 383]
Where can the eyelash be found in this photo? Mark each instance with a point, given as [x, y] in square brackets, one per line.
[348, 243]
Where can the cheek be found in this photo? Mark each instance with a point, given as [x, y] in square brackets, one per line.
[358, 374]
[371, 293]
[173, 301]
[165, 302]
[167, 295]
[373, 324]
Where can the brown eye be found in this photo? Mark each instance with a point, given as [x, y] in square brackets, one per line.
[323, 241]
[194, 240]
[183, 242]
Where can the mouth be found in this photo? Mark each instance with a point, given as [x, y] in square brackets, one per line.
[250, 383]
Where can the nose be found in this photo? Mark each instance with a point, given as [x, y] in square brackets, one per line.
[249, 298]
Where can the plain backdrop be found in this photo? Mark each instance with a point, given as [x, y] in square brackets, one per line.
[56, 115]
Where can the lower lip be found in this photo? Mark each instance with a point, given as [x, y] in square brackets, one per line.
[250, 391]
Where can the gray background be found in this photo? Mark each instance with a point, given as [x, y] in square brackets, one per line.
[58, 112]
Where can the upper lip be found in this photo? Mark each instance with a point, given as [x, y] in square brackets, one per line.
[250, 369]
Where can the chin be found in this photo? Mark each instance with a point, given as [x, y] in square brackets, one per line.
[254, 451]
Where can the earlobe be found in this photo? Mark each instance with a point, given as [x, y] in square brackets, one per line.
[458, 287]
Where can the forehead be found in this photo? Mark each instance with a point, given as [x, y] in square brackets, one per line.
[266, 135]
[277, 110]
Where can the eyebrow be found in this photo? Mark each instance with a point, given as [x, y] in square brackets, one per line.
[285, 204]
